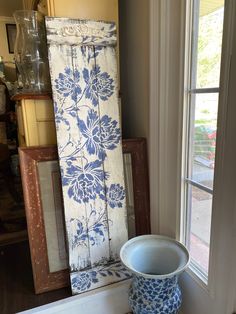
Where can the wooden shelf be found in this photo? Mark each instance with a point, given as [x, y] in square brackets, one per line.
[43, 96]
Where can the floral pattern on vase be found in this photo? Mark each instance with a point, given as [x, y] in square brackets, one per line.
[152, 296]
[83, 74]
[155, 262]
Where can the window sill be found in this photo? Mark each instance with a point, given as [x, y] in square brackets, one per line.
[112, 299]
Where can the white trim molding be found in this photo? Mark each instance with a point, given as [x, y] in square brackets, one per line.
[167, 34]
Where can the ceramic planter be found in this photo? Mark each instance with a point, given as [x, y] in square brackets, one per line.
[155, 262]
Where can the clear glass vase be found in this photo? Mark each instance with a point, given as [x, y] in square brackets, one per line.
[31, 52]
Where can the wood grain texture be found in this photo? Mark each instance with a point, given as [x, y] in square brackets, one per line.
[113, 164]
[43, 279]
[82, 53]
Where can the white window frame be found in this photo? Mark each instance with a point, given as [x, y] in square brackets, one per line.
[190, 75]
[167, 35]
[166, 102]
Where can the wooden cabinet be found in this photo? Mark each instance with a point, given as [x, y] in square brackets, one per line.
[36, 124]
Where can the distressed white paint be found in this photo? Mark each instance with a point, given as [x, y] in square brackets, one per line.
[96, 252]
[84, 81]
[117, 219]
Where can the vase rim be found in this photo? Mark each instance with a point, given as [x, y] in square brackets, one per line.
[129, 243]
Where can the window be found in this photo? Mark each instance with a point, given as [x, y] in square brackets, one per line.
[203, 92]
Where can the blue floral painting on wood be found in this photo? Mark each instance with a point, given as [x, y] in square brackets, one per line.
[83, 70]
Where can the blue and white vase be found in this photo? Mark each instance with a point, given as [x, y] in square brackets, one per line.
[155, 262]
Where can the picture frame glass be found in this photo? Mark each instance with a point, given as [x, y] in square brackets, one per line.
[52, 204]
[127, 157]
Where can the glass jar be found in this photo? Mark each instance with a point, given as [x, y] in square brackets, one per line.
[31, 52]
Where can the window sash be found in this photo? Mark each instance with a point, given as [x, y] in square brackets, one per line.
[192, 91]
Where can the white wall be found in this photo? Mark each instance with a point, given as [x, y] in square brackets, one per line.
[134, 66]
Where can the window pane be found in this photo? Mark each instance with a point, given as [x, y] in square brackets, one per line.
[202, 150]
[200, 226]
[208, 28]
